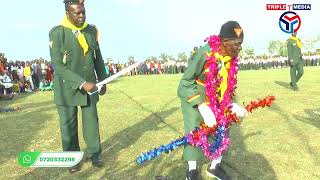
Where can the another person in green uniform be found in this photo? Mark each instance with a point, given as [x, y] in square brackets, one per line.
[191, 91]
[295, 60]
[77, 60]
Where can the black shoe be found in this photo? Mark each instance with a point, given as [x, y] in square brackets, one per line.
[74, 168]
[97, 161]
[193, 175]
[218, 173]
[295, 88]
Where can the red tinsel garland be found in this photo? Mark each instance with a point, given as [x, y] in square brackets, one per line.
[267, 101]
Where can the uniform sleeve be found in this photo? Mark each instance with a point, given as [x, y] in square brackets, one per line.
[187, 90]
[289, 45]
[56, 54]
[99, 63]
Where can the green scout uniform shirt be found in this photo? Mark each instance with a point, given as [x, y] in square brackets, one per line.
[192, 92]
[191, 88]
[294, 52]
[72, 68]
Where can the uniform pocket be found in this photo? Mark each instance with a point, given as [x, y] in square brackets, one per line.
[70, 86]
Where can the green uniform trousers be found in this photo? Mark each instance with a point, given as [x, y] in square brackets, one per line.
[296, 72]
[192, 119]
[69, 128]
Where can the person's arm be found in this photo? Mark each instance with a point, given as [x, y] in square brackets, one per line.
[290, 58]
[99, 65]
[187, 90]
[188, 87]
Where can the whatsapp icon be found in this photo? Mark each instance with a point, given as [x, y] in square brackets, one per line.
[27, 159]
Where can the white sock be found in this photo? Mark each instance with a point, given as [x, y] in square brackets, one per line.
[215, 162]
[192, 165]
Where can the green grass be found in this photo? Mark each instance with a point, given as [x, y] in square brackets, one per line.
[143, 112]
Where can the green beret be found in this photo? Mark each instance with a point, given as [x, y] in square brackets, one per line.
[231, 29]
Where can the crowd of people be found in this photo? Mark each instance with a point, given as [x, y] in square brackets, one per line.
[29, 76]
[24, 76]
[266, 62]
[149, 67]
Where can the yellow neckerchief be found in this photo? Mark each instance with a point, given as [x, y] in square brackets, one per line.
[297, 41]
[224, 72]
[81, 39]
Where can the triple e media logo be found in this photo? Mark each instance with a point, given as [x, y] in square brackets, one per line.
[289, 21]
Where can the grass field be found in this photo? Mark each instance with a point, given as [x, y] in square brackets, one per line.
[143, 112]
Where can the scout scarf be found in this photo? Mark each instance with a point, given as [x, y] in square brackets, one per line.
[220, 79]
[225, 66]
[299, 44]
[81, 39]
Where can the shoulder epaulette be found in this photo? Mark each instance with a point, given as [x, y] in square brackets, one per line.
[54, 28]
[97, 31]
[94, 26]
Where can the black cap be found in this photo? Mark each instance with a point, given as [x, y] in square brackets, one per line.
[231, 29]
[73, 1]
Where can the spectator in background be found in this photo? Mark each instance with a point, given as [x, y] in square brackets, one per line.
[27, 72]
[106, 67]
[1, 66]
[6, 82]
[43, 67]
[49, 72]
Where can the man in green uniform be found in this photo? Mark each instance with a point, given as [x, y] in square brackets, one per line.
[191, 91]
[77, 60]
[295, 60]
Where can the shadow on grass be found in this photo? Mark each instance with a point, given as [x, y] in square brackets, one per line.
[127, 138]
[243, 164]
[283, 84]
[312, 119]
[6, 103]
[153, 113]
[114, 168]
[19, 128]
[239, 162]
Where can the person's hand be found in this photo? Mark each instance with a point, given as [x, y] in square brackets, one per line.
[103, 90]
[290, 62]
[89, 87]
[238, 110]
[207, 115]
